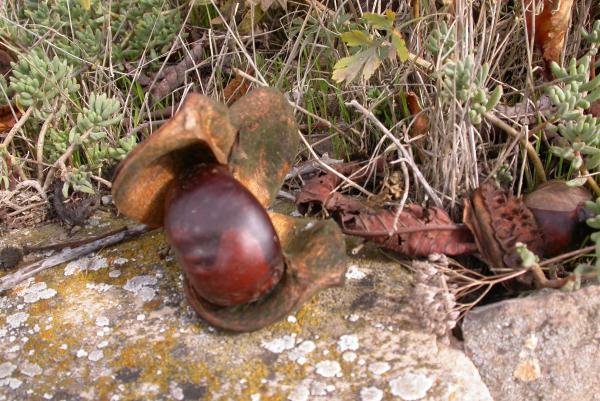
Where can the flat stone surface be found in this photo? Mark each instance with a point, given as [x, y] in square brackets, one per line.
[115, 326]
[543, 347]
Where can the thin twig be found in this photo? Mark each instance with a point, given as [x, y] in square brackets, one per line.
[39, 147]
[590, 180]
[13, 131]
[568, 255]
[330, 169]
[405, 153]
[61, 160]
[407, 230]
[531, 152]
[11, 280]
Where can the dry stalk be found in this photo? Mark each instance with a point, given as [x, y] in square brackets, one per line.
[405, 153]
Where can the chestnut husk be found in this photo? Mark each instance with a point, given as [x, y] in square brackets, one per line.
[257, 140]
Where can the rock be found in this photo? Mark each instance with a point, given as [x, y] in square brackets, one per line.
[541, 347]
[132, 336]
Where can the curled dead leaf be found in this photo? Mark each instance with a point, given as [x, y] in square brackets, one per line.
[236, 88]
[548, 26]
[420, 125]
[419, 231]
[5, 60]
[8, 117]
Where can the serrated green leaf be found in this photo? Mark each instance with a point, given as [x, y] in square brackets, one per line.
[347, 68]
[399, 45]
[356, 38]
[371, 64]
[378, 21]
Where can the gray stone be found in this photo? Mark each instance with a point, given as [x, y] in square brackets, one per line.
[133, 336]
[542, 347]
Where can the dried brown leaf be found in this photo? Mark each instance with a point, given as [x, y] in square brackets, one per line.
[8, 117]
[420, 231]
[549, 26]
[421, 124]
[236, 88]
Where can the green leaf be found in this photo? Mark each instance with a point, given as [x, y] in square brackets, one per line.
[371, 64]
[347, 68]
[378, 21]
[494, 98]
[356, 38]
[399, 45]
[85, 4]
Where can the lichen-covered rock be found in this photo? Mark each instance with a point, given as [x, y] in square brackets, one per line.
[115, 326]
[542, 347]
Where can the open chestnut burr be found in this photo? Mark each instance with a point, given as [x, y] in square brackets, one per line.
[207, 176]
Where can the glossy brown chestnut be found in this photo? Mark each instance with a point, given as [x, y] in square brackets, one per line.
[560, 213]
[222, 237]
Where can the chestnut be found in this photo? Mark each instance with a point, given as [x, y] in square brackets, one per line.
[222, 237]
[208, 175]
[559, 210]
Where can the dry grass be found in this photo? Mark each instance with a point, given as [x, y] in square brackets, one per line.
[296, 49]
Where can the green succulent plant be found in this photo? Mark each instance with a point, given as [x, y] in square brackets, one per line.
[579, 141]
[460, 82]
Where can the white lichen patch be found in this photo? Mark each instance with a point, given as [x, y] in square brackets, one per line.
[102, 321]
[30, 369]
[35, 292]
[120, 261]
[354, 273]
[329, 369]
[318, 388]
[300, 393]
[299, 353]
[348, 342]
[82, 353]
[411, 386]
[17, 319]
[349, 356]
[6, 369]
[114, 273]
[93, 263]
[379, 368]
[371, 394]
[11, 382]
[101, 287]
[96, 355]
[142, 287]
[175, 391]
[278, 345]
[353, 317]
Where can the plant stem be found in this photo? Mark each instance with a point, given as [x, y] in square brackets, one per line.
[531, 152]
[13, 131]
[39, 147]
[61, 160]
[405, 153]
[590, 180]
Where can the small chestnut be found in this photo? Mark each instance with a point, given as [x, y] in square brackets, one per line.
[222, 237]
[559, 210]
